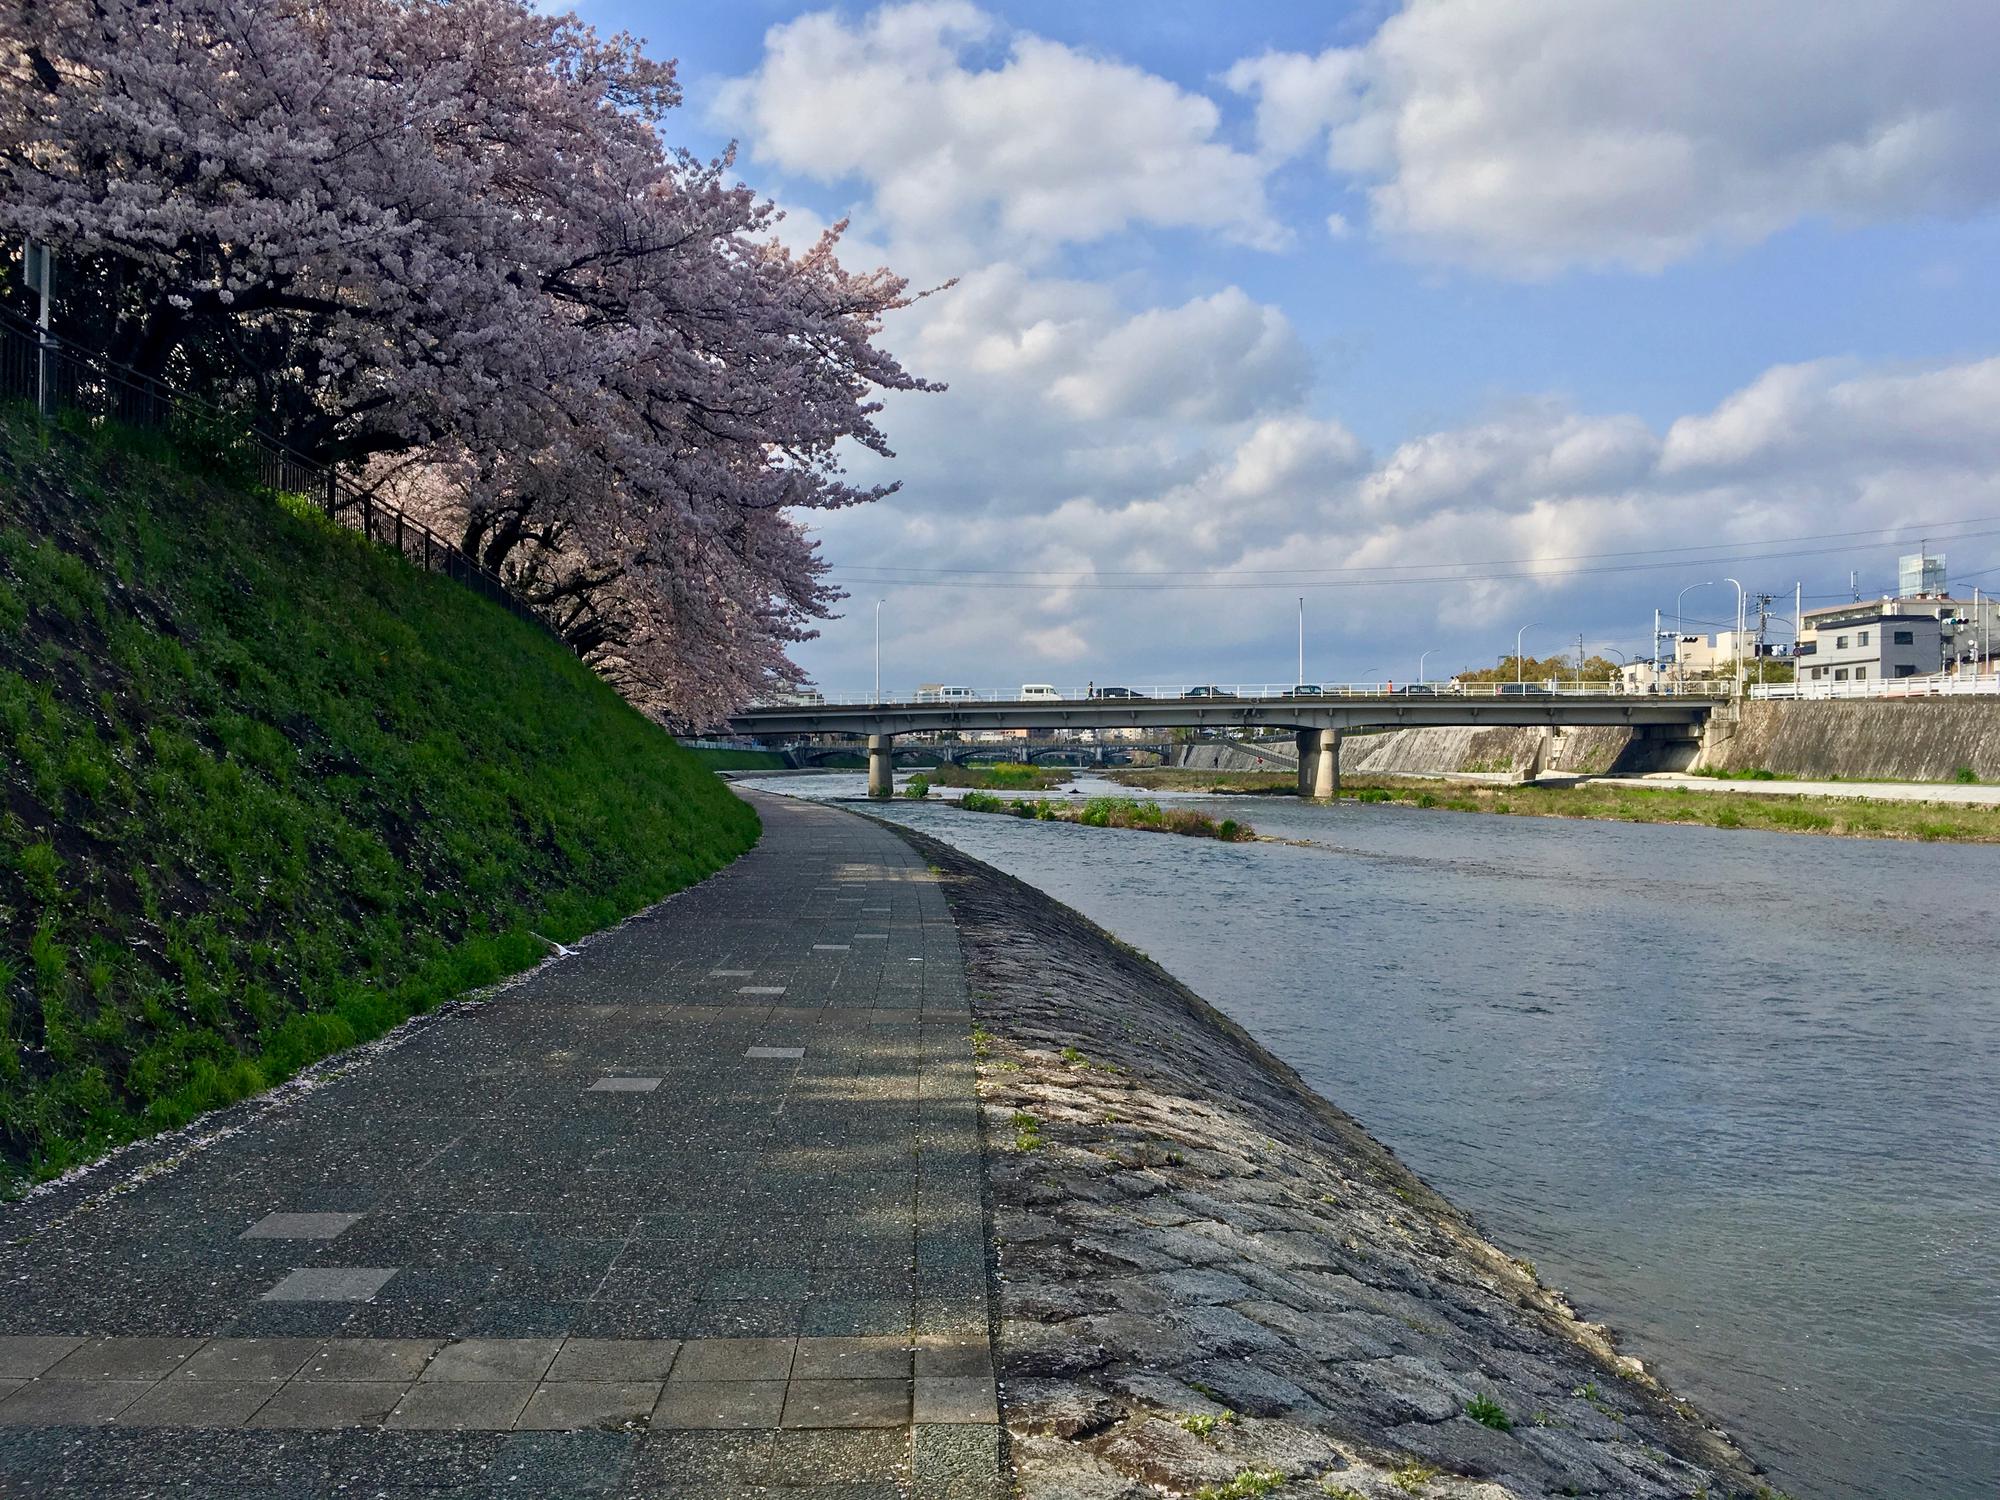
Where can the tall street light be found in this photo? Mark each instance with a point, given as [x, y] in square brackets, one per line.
[1736, 643]
[1679, 623]
[1426, 656]
[878, 650]
[1531, 625]
[1299, 681]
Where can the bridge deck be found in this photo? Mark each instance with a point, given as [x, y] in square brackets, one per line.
[1346, 711]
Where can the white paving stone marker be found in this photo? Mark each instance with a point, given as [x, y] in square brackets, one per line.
[623, 1083]
[830, 947]
[330, 1284]
[775, 1052]
[761, 989]
[284, 1226]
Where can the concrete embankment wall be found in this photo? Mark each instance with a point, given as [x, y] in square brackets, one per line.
[1914, 739]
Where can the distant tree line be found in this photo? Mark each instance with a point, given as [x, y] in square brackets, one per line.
[443, 245]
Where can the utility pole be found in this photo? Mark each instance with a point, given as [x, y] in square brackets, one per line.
[1300, 680]
[38, 268]
[1579, 656]
[1764, 602]
[878, 650]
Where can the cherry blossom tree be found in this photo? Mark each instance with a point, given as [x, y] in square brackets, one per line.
[443, 245]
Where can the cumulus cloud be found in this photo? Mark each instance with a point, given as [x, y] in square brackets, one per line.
[958, 127]
[1289, 504]
[1533, 136]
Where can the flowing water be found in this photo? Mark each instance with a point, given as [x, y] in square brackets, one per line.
[1738, 1093]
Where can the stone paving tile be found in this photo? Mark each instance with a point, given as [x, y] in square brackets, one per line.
[180, 1401]
[69, 1403]
[125, 1359]
[594, 1165]
[330, 1284]
[462, 1404]
[23, 1356]
[330, 1403]
[493, 1359]
[711, 1404]
[847, 1403]
[566, 1405]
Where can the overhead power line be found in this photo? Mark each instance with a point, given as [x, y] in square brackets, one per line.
[1505, 570]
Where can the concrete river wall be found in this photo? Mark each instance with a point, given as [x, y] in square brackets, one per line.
[1913, 739]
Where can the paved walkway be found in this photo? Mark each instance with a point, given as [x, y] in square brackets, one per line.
[695, 1212]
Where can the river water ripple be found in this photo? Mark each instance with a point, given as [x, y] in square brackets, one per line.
[1738, 1093]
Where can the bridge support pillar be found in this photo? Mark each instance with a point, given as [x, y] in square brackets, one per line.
[881, 765]
[1326, 766]
[1319, 764]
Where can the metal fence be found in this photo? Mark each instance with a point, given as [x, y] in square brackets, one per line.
[60, 380]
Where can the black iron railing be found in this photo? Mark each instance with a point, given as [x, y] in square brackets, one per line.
[56, 378]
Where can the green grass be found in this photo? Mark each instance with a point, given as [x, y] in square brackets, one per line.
[1246, 1485]
[1113, 812]
[735, 760]
[267, 791]
[1489, 1413]
[1002, 776]
[1849, 817]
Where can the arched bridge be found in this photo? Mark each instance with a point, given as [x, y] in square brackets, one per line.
[1317, 716]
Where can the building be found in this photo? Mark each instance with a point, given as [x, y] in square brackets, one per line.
[1920, 632]
[1870, 642]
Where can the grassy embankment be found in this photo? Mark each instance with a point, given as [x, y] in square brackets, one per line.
[1854, 817]
[735, 760]
[267, 791]
[1114, 812]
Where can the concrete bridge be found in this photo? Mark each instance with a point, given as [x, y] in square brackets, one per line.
[1317, 718]
[1019, 752]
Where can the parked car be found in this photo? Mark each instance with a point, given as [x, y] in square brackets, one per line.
[937, 692]
[1038, 692]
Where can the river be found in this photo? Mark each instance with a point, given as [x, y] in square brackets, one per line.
[1737, 1093]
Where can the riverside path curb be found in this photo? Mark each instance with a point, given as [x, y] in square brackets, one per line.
[695, 1211]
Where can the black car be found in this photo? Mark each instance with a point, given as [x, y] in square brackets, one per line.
[1116, 692]
[1304, 690]
[1206, 692]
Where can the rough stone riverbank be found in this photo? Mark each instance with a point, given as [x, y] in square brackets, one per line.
[1212, 1282]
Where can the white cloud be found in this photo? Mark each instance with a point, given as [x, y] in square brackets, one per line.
[961, 129]
[1803, 451]
[1534, 135]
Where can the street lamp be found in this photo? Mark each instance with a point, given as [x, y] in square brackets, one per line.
[1420, 664]
[878, 650]
[1531, 625]
[1736, 643]
[1299, 681]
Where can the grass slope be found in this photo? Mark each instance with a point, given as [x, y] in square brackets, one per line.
[266, 791]
[736, 760]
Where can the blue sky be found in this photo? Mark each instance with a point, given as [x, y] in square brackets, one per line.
[1669, 274]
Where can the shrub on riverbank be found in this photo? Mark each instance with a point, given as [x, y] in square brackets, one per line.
[269, 790]
[1001, 776]
[1115, 812]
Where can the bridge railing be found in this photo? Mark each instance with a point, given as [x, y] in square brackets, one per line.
[1262, 692]
[1884, 687]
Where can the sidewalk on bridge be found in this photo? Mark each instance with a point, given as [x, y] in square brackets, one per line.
[695, 1211]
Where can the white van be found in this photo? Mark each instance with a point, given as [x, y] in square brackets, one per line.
[937, 692]
[1039, 692]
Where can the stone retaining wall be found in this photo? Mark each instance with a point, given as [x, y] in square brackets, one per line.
[1208, 1276]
